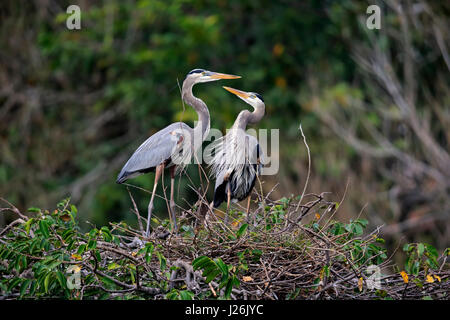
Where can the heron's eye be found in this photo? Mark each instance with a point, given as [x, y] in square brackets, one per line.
[203, 73]
[253, 96]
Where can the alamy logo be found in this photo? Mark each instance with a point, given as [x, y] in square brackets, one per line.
[374, 20]
[234, 148]
[73, 22]
[74, 280]
[374, 280]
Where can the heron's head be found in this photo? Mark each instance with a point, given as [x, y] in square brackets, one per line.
[201, 75]
[252, 98]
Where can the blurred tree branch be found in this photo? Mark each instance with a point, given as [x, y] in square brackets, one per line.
[404, 115]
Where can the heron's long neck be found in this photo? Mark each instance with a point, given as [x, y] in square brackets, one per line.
[245, 117]
[200, 107]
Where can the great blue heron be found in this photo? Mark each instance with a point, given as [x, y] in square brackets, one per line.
[176, 141]
[236, 162]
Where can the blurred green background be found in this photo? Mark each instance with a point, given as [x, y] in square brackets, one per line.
[374, 104]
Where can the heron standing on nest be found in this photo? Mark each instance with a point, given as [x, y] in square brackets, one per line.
[173, 146]
[236, 163]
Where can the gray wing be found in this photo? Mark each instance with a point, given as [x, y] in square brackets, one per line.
[156, 149]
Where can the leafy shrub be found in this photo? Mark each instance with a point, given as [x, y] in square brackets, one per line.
[46, 255]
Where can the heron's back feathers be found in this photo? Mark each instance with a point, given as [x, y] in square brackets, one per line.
[166, 144]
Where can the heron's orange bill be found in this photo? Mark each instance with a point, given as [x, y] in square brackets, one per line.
[239, 93]
[217, 75]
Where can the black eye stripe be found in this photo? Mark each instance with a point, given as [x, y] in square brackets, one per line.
[196, 71]
[259, 96]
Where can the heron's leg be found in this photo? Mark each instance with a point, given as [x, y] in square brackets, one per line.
[228, 189]
[248, 209]
[158, 172]
[172, 202]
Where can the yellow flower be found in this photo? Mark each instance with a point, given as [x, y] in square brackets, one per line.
[437, 277]
[404, 276]
[317, 216]
[429, 278]
[247, 278]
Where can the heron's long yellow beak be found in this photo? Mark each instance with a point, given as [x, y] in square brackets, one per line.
[239, 93]
[217, 75]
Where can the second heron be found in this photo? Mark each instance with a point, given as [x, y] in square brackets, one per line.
[237, 160]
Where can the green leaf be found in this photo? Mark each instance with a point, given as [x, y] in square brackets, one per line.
[13, 283]
[222, 266]
[326, 270]
[54, 264]
[228, 288]
[362, 222]
[113, 266]
[132, 275]
[420, 249]
[24, 286]
[201, 262]
[61, 279]
[81, 249]
[106, 234]
[28, 225]
[172, 295]
[358, 229]
[47, 282]
[432, 251]
[33, 287]
[418, 283]
[242, 230]
[186, 295]
[43, 228]
[211, 275]
[149, 247]
[73, 209]
[162, 260]
[432, 263]
[92, 244]
[256, 254]
[415, 268]
[107, 281]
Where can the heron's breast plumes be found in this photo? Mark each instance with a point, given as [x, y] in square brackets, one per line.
[236, 155]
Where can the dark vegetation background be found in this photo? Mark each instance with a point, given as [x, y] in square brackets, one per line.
[374, 104]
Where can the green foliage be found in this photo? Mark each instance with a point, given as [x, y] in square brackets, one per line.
[47, 256]
[42, 253]
[180, 295]
[213, 268]
[420, 256]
